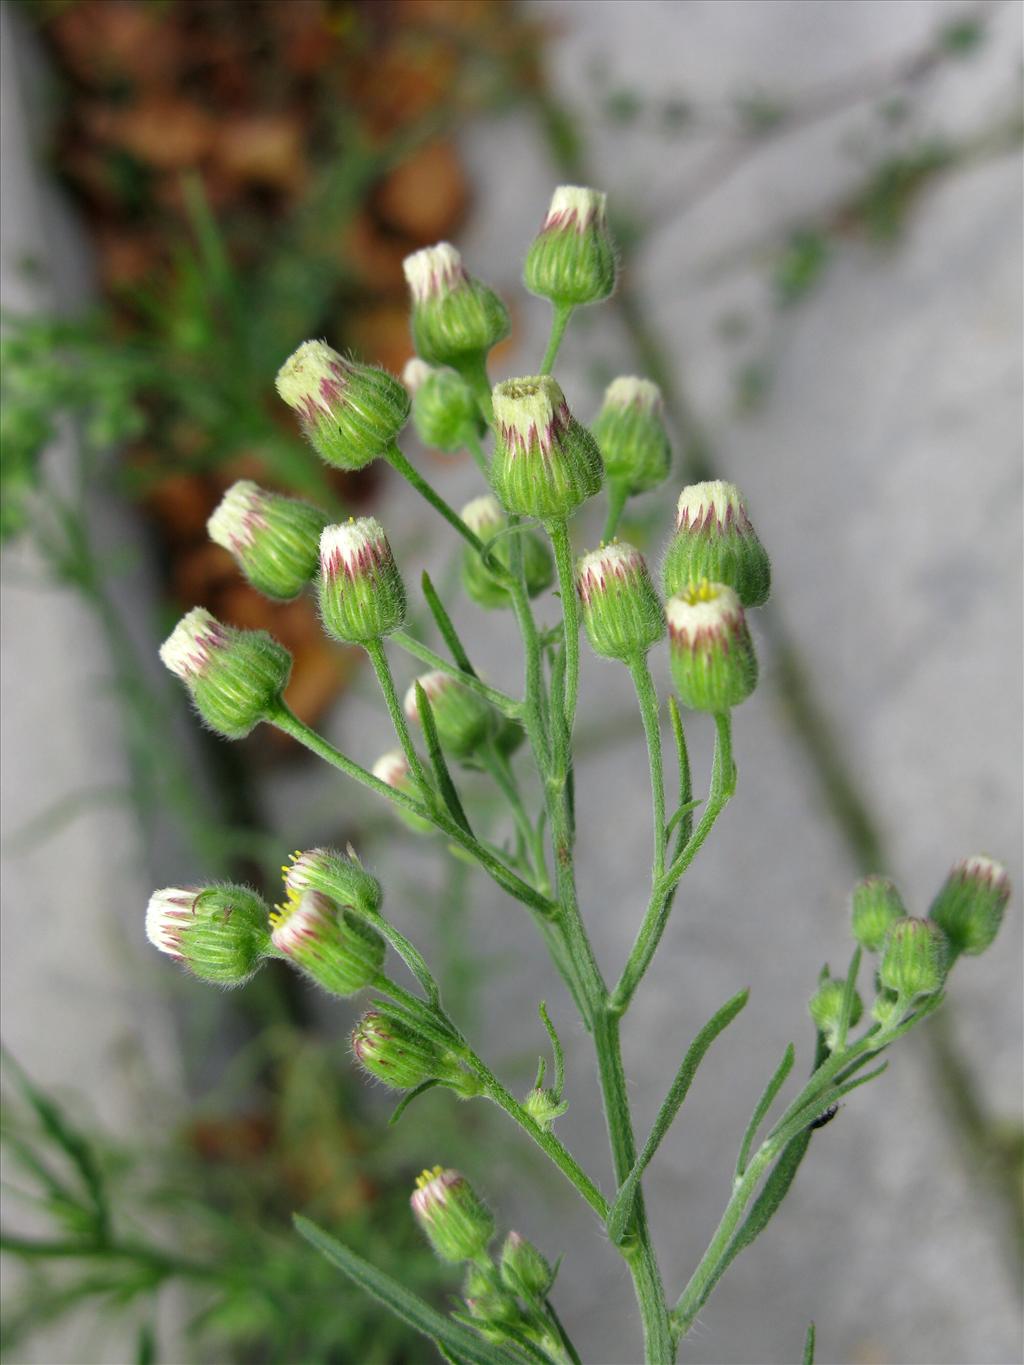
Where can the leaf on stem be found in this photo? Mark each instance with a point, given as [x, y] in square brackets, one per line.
[444, 624]
[556, 1048]
[763, 1105]
[686, 803]
[622, 1210]
[442, 776]
[406, 1100]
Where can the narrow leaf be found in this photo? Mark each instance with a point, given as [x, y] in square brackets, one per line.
[445, 626]
[763, 1105]
[406, 1100]
[686, 809]
[685, 781]
[849, 991]
[809, 1345]
[622, 1209]
[460, 1342]
[556, 1048]
[442, 776]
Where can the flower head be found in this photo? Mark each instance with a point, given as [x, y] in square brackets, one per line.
[712, 656]
[621, 612]
[572, 260]
[235, 677]
[545, 464]
[273, 539]
[218, 932]
[714, 539]
[361, 593]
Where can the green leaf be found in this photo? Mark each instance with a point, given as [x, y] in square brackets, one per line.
[445, 626]
[622, 1209]
[406, 1100]
[556, 1048]
[461, 1344]
[442, 776]
[809, 1345]
[849, 991]
[763, 1105]
[409, 954]
[685, 781]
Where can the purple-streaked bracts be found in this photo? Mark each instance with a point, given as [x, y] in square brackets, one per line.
[458, 1225]
[235, 677]
[350, 413]
[714, 539]
[392, 1050]
[621, 612]
[714, 667]
[545, 463]
[220, 933]
[630, 432]
[327, 942]
[572, 260]
[361, 593]
[274, 540]
[455, 318]
[970, 905]
[342, 878]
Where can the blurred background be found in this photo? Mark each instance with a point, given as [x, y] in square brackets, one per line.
[819, 205]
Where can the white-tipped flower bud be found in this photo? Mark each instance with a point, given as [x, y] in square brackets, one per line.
[343, 879]
[463, 720]
[524, 1270]
[362, 596]
[349, 413]
[621, 612]
[572, 260]
[393, 768]
[415, 373]
[220, 933]
[455, 318]
[329, 944]
[273, 539]
[712, 655]
[969, 907]
[486, 518]
[235, 677]
[545, 463]
[630, 432]
[714, 539]
[445, 412]
[390, 1049]
[457, 1223]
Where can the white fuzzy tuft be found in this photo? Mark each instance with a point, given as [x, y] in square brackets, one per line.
[528, 410]
[722, 500]
[238, 516]
[304, 375]
[189, 647]
[434, 270]
[984, 869]
[416, 373]
[433, 684]
[167, 913]
[352, 545]
[302, 920]
[575, 203]
[629, 391]
[483, 514]
[392, 768]
[712, 608]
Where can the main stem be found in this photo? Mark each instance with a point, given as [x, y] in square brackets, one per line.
[379, 660]
[558, 531]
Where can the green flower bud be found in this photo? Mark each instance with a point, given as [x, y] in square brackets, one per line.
[969, 907]
[524, 1270]
[621, 612]
[544, 1106]
[710, 650]
[342, 879]
[545, 464]
[826, 1008]
[349, 413]
[393, 768]
[876, 905]
[464, 720]
[361, 593]
[914, 958]
[391, 1050]
[888, 1009]
[444, 410]
[274, 540]
[485, 517]
[572, 259]
[630, 431]
[220, 933]
[235, 677]
[492, 1309]
[715, 540]
[331, 945]
[455, 319]
[458, 1225]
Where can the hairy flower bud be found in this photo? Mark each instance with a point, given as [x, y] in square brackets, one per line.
[524, 1270]
[621, 612]
[342, 879]
[444, 409]
[876, 905]
[463, 720]
[457, 1223]
[220, 933]
[393, 768]
[329, 944]
[826, 1007]
[545, 463]
[362, 596]
[969, 907]
[485, 517]
[349, 413]
[544, 1106]
[235, 677]
[713, 663]
[390, 1049]
[273, 539]
[914, 960]
[714, 539]
[455, 318]
[572, 259]
[630, 432]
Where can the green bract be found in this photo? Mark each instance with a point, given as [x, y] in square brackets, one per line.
[715, 540]
[622, 615]
[713, 663]
[275, 540]
[914, 960]
[464, 720]
[220, 933]
[876, 905]
[826, 1008]
[572, 259]
[455, 319]
[630, 432]
[343, 879]
[444, 409]
[361, 593]
[545, 464]
[329, 944]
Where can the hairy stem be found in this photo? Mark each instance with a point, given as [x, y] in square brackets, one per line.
[379, 660]
[558, 531]
[508, 706]
[618, 492]
[561, 313]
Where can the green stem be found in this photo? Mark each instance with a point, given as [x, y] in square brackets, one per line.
[498, 766]
[648, 702]
[660, 904]
[398, 462]
[508, 706]
[618, 492]
[558, 531]
[474, 372]
[561, 313]
[379, 660]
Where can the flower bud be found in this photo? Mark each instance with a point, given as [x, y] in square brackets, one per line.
[969, 907]
[455, 318]
[390, 1049]
[888, 1009]
[621, 612]
[715, 540]
[362, 596]
[220, 933]
[341, 879]
[444, 409]
[876, 905]
[492, 1309]
[630, 432]
[524, 1270]
[393, 768]
[464, 720]
[572, 260]
[457, 1224]
[485, 517]
[349, 413]
[235, 677]
[712, 656]
[544, 1106]
[826, 1008]
[273, 539]
[331, 945]
[914, 958]
[545, 464]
